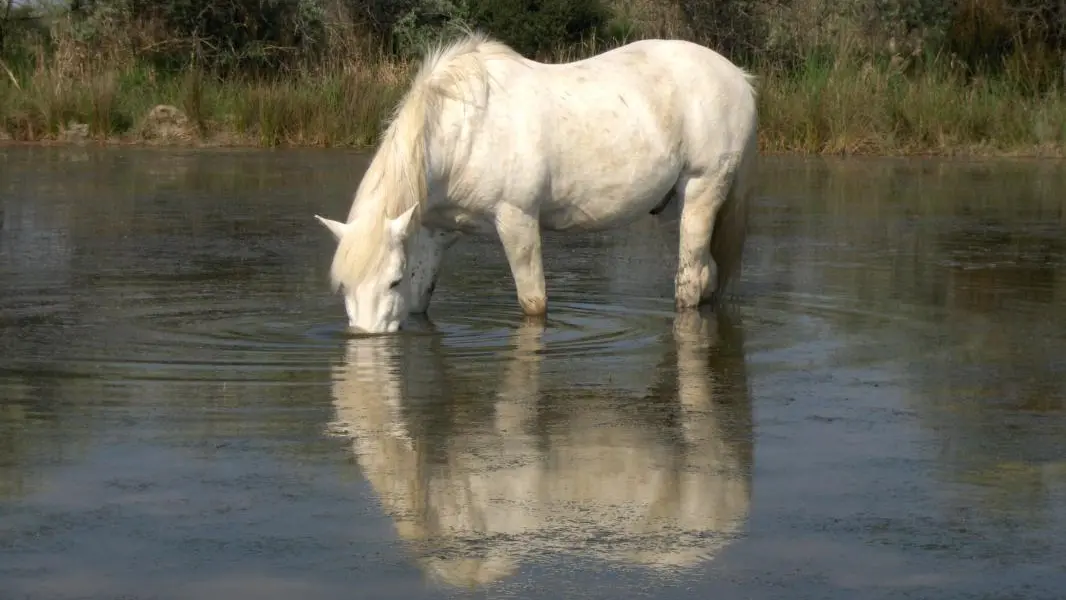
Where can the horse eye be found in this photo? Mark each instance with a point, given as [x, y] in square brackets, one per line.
[393, 285]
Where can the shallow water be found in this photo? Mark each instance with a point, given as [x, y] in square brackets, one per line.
[883, 415]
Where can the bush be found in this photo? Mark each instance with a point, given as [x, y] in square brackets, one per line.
[532, 27]
[536, 27]
[251, 36]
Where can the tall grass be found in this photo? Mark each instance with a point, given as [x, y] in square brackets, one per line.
[850, 107]
[108, 95]
[319, 109]
[832, 105]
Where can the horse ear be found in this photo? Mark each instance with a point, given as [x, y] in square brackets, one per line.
[398, 226]
[336, 228]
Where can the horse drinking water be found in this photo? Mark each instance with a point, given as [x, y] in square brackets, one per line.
[487, 141]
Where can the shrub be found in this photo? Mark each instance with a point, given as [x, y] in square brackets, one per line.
[532, 27]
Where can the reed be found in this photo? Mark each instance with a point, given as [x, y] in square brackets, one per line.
[835, 102]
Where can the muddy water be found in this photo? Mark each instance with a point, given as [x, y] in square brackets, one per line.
[881, 416]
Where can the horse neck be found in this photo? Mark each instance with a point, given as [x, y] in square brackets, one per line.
[369, 198]
[396, 178]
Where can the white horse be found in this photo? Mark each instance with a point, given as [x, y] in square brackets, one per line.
[486, 141]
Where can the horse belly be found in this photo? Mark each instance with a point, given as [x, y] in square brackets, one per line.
[613, 156]
[608, 202]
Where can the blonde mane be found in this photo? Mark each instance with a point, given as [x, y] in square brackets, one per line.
[396, 178]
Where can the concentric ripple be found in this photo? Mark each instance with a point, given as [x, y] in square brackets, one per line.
[578, 325]
[175, 333]
[218, 330]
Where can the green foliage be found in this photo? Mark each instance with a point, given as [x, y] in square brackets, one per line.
[21, 30]
[733, 28]
[220, 35]
[1024, 38]
[532, 27]
[535, 27]
[425, 22]
[834, 75]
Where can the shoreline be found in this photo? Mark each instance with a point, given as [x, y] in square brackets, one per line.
[235, 142]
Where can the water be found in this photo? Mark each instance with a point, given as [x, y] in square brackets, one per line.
[181, 416]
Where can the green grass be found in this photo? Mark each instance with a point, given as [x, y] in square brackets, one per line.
[340, 108]
[850, 108]
[826, 107]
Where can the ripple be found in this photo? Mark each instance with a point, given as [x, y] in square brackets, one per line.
[38, 309]
[220, 329]
[790, 328]
[163, 331]
[577, 325]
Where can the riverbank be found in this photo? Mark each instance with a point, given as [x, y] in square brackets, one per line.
[841, 109]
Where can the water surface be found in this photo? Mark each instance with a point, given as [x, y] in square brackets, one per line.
[881, 414]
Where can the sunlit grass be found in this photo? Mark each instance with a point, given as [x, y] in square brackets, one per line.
[849, 108]
[826, 107]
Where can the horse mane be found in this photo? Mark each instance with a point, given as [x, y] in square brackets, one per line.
[396, 179]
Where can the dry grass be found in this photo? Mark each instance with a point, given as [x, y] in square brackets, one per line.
[851, 108]
[104, 95]
[321, 109]
[840, 106]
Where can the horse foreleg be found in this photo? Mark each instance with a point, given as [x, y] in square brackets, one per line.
[424, 263]
[520, 235]
[697, 273]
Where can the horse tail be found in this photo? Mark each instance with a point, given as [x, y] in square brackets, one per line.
[731, 222]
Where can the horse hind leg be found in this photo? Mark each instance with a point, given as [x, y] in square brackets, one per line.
[703, 199]
[731, 225]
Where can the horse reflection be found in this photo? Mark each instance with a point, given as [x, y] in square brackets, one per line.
[530, 468]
